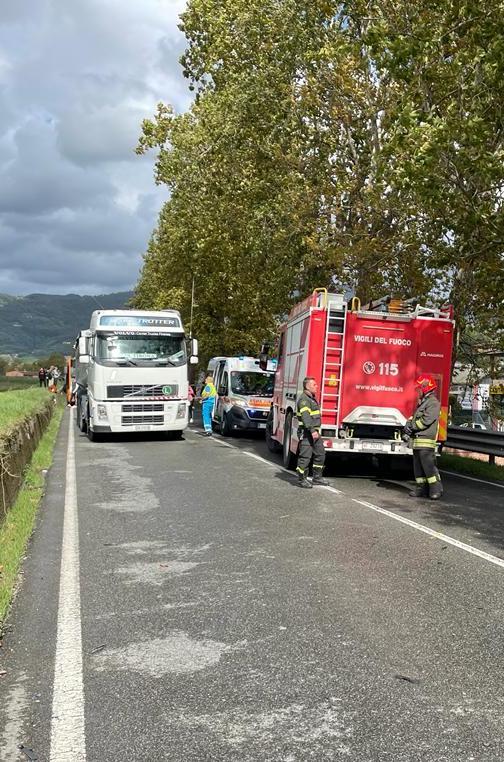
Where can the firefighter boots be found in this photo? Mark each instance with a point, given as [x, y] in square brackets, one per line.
[304, 483]
[320, 481]
[435, 490]
[419, 491]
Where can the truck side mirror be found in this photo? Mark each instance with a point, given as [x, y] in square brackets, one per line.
[193, 359]
[83, 350]
[263, 356]
[222, 391]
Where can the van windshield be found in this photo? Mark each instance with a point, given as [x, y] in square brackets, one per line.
[253, 383]
[141, 349]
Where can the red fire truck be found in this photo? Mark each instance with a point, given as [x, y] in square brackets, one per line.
[365, 360]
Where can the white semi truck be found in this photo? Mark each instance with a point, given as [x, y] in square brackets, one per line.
[131, 369]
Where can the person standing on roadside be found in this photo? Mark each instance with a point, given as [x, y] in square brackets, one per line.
[42, 377]
[423, 429]
[191, 395]
[310, 443]
[208, 395]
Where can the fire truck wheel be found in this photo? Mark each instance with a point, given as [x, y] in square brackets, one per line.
[272, 444]
[289, 459]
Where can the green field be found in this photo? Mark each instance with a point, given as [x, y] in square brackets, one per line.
[19, 404]
[8, 384]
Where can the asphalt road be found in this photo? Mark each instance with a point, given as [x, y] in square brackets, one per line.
[223, 614]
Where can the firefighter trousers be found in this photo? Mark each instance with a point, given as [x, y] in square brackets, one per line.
[424, 466]
[310, 448]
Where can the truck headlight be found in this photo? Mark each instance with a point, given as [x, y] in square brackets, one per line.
[102, 411]
[181, 410]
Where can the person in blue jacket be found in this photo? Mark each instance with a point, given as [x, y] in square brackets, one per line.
[208, 395]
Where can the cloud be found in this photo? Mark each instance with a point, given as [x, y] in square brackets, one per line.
[77, 206]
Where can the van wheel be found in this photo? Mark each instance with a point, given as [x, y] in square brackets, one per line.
[225, 428]
[272, 444]
[289, 459]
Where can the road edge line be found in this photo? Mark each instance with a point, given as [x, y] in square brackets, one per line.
[433, 533]
[471, 478]
[67, 718]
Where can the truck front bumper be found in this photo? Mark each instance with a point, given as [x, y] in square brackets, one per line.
[140, 415]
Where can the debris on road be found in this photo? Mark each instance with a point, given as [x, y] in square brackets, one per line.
[98, 648]
[28, 752]
[407, 679]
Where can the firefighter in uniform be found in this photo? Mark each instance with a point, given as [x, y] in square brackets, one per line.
[310, 442]
[423, 429]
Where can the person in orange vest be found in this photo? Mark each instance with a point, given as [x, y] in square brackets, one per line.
[422, 428]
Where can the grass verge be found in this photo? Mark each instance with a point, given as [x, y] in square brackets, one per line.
[472, 467]
[16, 405]
[18, 524]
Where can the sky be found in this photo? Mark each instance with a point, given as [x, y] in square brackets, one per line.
[77, 77]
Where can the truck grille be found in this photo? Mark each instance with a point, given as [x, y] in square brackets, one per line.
[143, 407]
[139, 390]
[139, 420]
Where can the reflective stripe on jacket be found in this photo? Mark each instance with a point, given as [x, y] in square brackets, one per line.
[209, 392]
[308, 412]
[425, 421]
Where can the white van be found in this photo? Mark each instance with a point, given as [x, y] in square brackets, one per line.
[244, 393]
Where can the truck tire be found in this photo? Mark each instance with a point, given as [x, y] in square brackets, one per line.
[89, 431]
[272, 444]
[81, 418]
[289, 459]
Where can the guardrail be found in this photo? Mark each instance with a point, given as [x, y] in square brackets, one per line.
[489, 443]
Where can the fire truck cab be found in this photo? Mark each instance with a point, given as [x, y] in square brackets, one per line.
[365, 360]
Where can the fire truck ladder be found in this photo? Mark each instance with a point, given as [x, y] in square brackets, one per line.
[334, 349]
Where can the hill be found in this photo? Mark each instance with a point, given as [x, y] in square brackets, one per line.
[39, 324]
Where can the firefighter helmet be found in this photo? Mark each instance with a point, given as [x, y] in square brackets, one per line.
[426, 383]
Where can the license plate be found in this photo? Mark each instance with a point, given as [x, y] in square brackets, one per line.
[262, 426]
[377, 446]
[143, 428]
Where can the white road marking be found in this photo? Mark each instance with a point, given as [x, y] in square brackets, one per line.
[472, 478]
[413, 524]
[432, 533]
[67, 722]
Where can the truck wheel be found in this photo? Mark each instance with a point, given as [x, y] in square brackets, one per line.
[289, 459]
[272, 444]
[225, 428]
[89, 431]
[81, 419]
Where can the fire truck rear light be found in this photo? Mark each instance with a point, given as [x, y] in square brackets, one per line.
[327, 442]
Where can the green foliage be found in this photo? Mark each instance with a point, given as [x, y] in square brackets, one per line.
[17, 527]
[330, 143]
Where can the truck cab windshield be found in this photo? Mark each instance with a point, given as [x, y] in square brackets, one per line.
[252, 383]
[141, 350]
